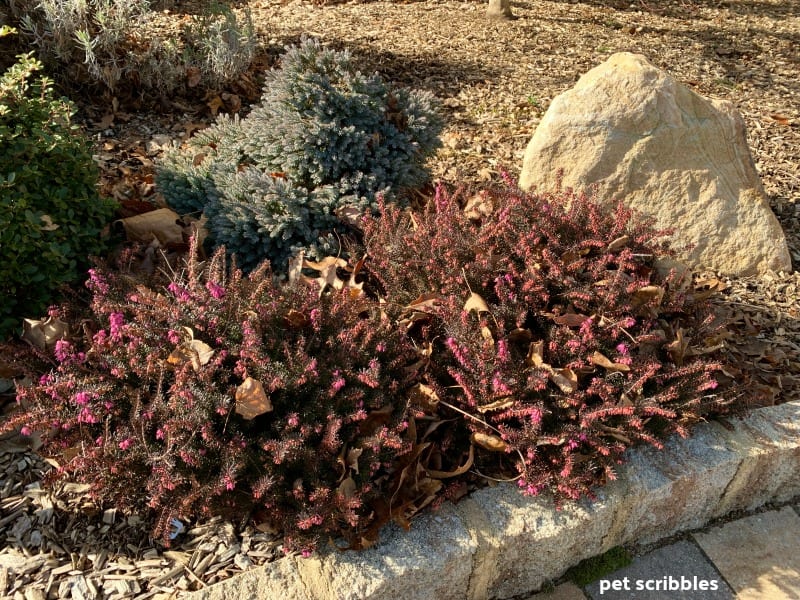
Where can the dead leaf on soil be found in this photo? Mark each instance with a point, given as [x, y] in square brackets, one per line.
[160, 224]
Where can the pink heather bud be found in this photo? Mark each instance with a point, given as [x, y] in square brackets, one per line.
[96, 282]
[180, 293]
[82, 398]
[217, 291]
[159, 434]
[125, 444]
[173, 336]
[622, 348]
[63, 350]
[26, 431]
[116, 321]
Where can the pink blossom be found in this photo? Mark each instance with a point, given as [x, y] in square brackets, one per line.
[87, 416]
[82, 398]
[26, 431]
[502, 350]
[173, 336]
[126, 443]
[622, 348]
[97, 282]
[159, 434]
[180, 293]
[63, 350]
[116, 321]
[217, 291]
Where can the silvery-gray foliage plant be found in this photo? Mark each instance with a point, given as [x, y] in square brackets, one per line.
[324, 138]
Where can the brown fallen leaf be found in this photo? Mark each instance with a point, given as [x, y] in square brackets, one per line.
[566, 379]
[488, 442]
[535, 357]
[44, 333]
[476, 303]
[501, 404]
[251, 399]
[459, 471]
[570, 319]
[618, 243]
[160, 224]
[601, 360]
[424, 396]
[678, 347]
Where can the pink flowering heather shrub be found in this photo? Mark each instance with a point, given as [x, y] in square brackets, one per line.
[549, 333]
[213, 392]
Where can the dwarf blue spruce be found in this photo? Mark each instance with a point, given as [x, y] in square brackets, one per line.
[325, 137]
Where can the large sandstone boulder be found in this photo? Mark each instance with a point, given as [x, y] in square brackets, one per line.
[667, 152]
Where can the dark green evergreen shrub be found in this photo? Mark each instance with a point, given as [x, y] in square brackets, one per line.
[51, 216]
[325, 137]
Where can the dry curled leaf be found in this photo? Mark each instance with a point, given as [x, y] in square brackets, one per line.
[535, 356]
[44, 333]
[501, 404]
[678, 348]
[601, 360]
[476, 303]
[455, 473]
[251, 399]
[160, 224]
[195, 351]
[570, 319]
[488, 442]
[424, 396]
[618, 243]
[565, 379]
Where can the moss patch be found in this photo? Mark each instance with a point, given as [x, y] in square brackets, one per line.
[594, 568]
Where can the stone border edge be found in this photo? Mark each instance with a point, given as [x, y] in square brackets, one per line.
[497, 544]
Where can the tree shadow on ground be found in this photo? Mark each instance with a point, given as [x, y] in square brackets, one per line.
[423, 70]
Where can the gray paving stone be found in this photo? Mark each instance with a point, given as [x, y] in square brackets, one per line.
[758, 555]
[669, 569]
[565, 591]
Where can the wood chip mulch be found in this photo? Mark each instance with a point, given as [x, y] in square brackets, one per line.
[495, 80]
